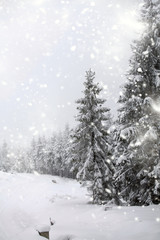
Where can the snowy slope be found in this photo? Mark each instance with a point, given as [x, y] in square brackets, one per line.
[28, 201]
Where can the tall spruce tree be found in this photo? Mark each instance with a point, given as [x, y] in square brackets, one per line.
[91, 153]
[137, 151]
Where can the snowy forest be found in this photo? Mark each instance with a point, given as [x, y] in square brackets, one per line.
[118, 160]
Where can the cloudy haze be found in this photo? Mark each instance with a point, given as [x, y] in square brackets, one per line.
[45, 48]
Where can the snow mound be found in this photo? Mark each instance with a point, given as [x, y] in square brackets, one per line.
[43, 228]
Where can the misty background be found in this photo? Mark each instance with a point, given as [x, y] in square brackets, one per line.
[45, 48]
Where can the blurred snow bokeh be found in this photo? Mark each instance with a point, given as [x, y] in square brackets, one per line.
[45, 48]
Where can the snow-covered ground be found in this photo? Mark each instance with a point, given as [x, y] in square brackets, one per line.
[27, 201]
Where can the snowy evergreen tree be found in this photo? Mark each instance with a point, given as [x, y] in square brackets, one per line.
[6, 160]
[66, 151]
[73, 156]
[41, 155]
[50, 154]
[137, 150]
[32, 156]
[59, 148]
[91, 143]
[37, 155]
[21, 163]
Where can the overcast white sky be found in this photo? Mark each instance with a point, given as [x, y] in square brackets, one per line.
[45, 48]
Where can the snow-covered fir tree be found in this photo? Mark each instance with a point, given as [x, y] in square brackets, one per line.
[50, 154]
[20, 159]
[32, 156]
[73, 156]
[91, 153]
[37, 155]
[58, 151]
[66, 138]
[5, 157]
[41, 155]
[137, 151]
